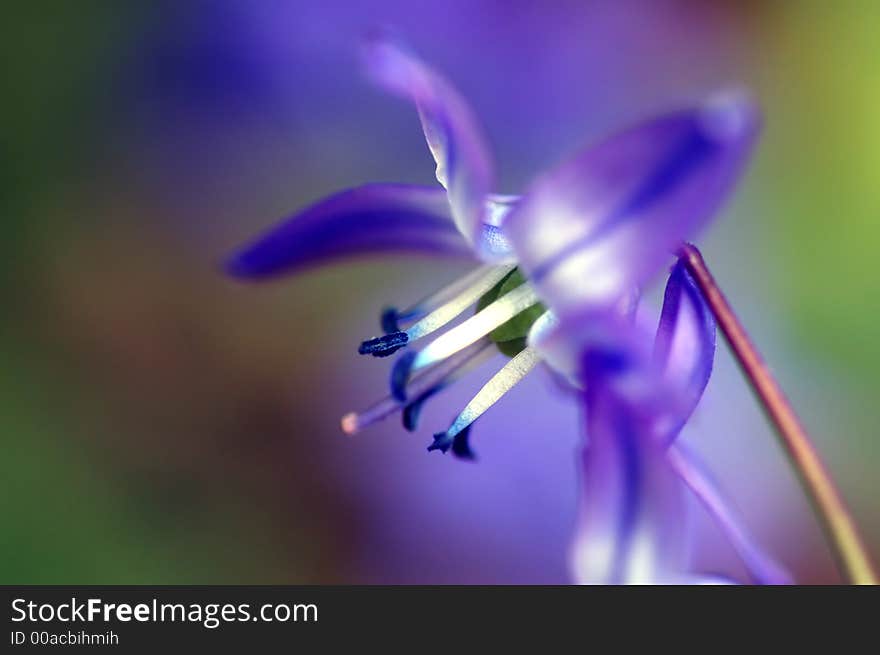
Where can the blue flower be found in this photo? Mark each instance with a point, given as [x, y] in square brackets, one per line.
[558, 281]
[581, 239]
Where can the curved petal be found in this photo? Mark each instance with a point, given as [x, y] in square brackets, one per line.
[607, 220]
[367, 220]
[684, 347]
[762, 568]
[464, 165]
[631, 526]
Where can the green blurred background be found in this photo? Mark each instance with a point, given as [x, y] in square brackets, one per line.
[163, 425]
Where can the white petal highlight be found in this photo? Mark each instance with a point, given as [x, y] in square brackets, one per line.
[477, 326]
[502, 382]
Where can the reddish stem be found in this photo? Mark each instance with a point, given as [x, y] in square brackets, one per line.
[829, 505]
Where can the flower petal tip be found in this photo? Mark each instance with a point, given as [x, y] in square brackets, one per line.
[730, 116]
[387, 62]
[240, 265]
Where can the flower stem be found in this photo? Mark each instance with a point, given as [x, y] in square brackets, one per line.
[829, 505]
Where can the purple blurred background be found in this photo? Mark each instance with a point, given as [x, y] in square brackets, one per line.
[166, 425]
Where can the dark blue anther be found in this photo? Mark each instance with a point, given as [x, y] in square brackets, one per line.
[411, 414]
[413, 410]
[442, 442]
[385, 345]
[390, 320]
[459, 443]
[400, 375]
[461, 446]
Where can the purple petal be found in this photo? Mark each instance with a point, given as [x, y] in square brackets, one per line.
[684, 347]
[464, 165]
[610, 218]
[762, 568]
[367, 220]
[562, 341]
[631, 526]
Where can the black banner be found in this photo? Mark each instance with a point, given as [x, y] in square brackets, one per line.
[150, 618]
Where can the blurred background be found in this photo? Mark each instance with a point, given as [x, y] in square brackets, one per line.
[162, 424]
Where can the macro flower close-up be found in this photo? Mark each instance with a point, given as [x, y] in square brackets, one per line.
[466, 294]
[562, 266]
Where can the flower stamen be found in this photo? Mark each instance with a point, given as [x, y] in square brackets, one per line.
[464, 293]
[491, 392]
[422, 388]
[392, 318]
[454, 307]
[413, 408]
[477, 326]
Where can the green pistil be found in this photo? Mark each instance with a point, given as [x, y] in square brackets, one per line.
[510, 338]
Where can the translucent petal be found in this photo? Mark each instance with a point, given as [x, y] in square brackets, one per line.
[464, 165]
[609, 219]
[684, 346]
[369, 220]
[631, 528]
[762, 568]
